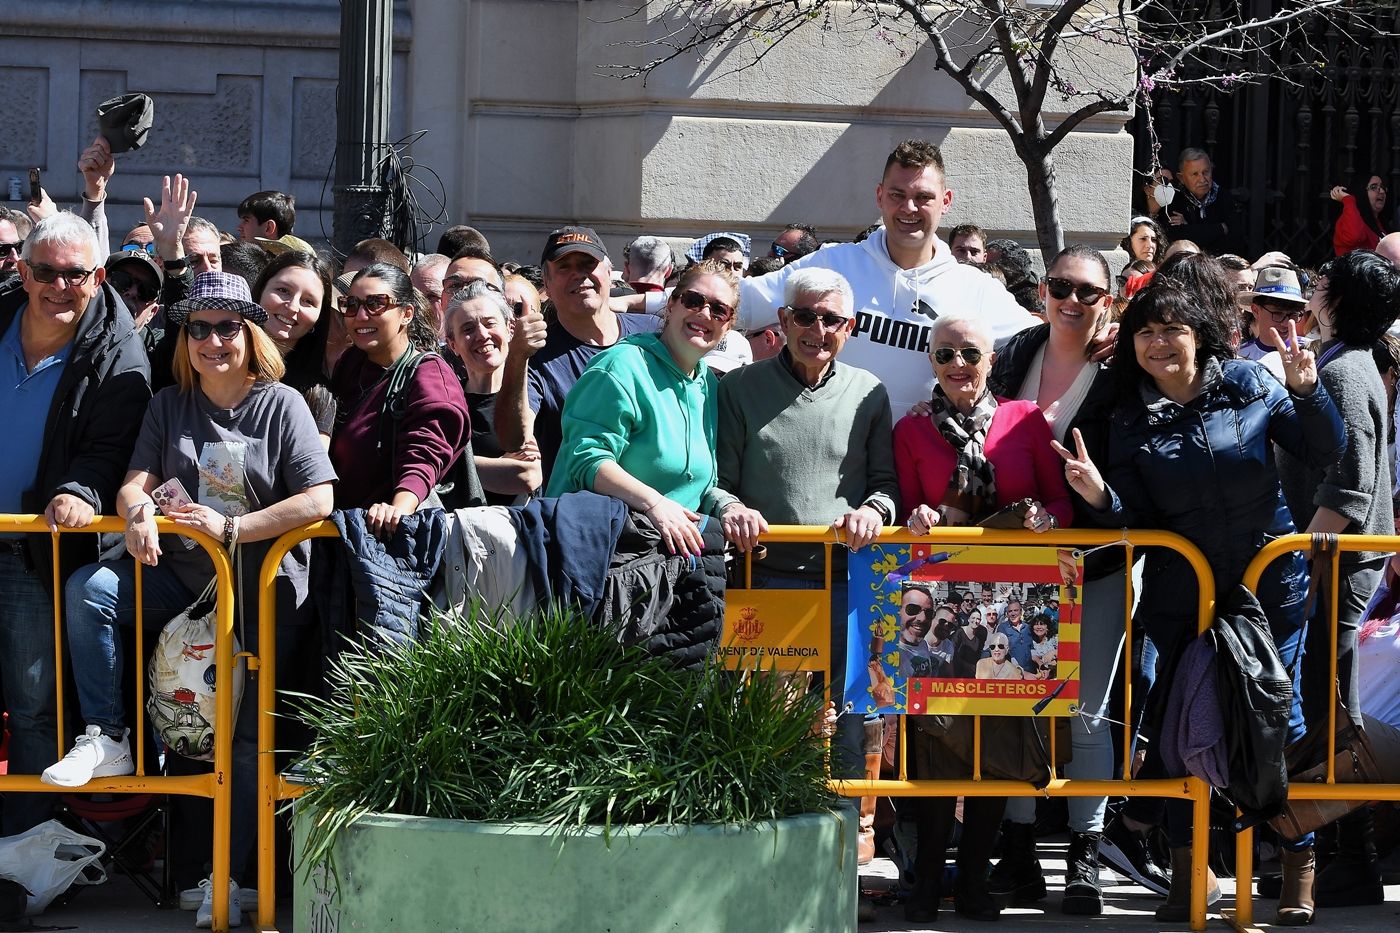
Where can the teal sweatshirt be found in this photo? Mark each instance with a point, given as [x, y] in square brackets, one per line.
[635, 407]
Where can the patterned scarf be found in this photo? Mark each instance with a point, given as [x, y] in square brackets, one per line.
[967, 435]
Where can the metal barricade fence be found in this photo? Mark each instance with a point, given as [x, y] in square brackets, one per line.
[1243, 916]
[216, 785]
[274, 788]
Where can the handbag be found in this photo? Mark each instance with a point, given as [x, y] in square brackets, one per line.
[1353, 763]
[183, 676]
[48, 859]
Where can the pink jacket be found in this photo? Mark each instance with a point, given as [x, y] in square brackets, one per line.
[1018, 446]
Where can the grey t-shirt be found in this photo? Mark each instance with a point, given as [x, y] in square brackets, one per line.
[236, 461]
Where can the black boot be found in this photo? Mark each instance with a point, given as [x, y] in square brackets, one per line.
[922, 904]
[1018, 874]
[1082, 892]
[971, 897]
[1353, 878]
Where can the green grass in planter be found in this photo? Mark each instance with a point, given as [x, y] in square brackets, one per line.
[550, 720]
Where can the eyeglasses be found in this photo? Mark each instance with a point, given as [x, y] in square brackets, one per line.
[1083, 292]
[46, 275]
[694, 301]
[1378, 186]
[373, 305]
[148, 248]
[806, 317]
[1279, 312]
[123, 281]
[911, 610]
[227, 330]
[455, 283]
[970, 355]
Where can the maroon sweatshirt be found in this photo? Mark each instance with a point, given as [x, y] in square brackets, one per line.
[430, 435]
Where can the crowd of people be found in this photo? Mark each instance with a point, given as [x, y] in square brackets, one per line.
[243, 384]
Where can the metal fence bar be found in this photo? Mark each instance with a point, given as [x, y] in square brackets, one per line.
[216, 786]
[1242, 917]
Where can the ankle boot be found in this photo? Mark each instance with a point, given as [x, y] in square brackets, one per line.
[971, 897]
[1018, 874]
[1353, 878]
[1178, 905]
[865, 840]
[1295, 901]
[1082, 892]
[922, 903]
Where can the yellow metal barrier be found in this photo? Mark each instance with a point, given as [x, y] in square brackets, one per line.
[215, 786]
[1243, 916]
[274, 788]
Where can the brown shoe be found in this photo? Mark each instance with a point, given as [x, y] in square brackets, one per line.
[865, 839]
[1178, 905]
[1295, 901]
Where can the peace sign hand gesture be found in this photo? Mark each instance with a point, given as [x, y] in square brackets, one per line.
[1299, 364]
[1081, 474]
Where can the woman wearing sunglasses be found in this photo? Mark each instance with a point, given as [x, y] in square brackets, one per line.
[245, 453]
[1191, 449]
[639, 425]
[970, 456]
[391, 458]
[1050, 366]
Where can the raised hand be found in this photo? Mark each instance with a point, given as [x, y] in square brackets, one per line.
[168, 225]
[1338, 193]
[1299, 364]
[97, 165]
[1081, 474]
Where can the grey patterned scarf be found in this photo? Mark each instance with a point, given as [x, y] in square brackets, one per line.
[967, 435]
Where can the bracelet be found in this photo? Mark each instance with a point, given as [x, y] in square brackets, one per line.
[229, 525]
[138, 506]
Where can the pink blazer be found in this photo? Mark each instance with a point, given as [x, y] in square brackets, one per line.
[1018, 446]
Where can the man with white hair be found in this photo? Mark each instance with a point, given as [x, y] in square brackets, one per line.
[74, 383]
[647, 262]
[805, 440]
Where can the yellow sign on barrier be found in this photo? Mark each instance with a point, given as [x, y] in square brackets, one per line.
[789, 630]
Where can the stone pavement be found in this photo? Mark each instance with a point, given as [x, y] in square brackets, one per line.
[1126, 906]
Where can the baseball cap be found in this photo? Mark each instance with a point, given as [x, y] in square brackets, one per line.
[730, 353]
[573, 240]
[137, 257]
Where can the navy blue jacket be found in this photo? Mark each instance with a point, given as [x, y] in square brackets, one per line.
[1205, 470]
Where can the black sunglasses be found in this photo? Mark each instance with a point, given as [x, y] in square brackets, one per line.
[6, 247]
[806, 317]
[227, 330]
[48, 274]
[694, 301]
[912, 610]
[122, 280]
[1084, 293]
[970, 355]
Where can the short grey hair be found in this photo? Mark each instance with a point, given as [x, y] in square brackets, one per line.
[648, 254]
[64, 228]
[429, 261]
[1192, 154]
[975, 321]
[817, 281]
[199, 224]
[494, 299]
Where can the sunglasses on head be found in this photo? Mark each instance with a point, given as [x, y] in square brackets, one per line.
[970, 355]
[374, 305]
[693, 301]
[227, 330]
[147, 248]
[1083, 292]
[48, 274]
[122, 281]
[806, 317]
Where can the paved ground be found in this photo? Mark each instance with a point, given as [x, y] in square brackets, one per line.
[118, 907]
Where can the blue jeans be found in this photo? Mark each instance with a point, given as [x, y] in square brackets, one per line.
[98, 598]
[848, 744]
[1100, 652]
[27, 684]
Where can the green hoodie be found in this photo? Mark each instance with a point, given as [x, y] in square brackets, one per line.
[634, 406]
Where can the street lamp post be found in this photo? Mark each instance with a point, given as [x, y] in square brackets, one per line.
[362, 119]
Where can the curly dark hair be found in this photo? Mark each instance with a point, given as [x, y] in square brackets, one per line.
[1362, 295]
[1126, 244]
[1189, 289]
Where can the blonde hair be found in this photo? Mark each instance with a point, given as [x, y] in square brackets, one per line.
[264, 359]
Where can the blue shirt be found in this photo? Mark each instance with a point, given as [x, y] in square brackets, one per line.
[25, 398]
[1020, 642]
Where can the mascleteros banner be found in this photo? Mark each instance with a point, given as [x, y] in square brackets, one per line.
[961, 630]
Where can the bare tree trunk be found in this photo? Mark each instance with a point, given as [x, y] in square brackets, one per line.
[1045, 207]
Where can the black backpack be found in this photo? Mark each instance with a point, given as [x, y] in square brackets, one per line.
[1256, 698]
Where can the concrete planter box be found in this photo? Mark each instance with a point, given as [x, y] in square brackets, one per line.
[422, 874]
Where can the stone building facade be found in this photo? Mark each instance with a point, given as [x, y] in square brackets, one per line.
[523, 123]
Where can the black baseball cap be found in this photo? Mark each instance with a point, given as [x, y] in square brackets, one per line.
[573, 240]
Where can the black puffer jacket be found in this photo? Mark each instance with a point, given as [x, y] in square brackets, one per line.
[93, 420]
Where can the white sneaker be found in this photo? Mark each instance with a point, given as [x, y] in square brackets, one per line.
[191, 898]
[204, 917]
[94, 755]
